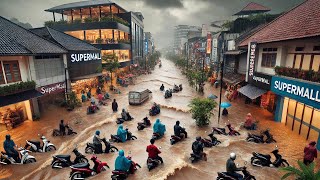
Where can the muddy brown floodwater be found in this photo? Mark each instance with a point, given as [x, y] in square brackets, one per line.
[176, 163]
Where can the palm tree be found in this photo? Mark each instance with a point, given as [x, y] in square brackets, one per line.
[110, 63]
[304, 173]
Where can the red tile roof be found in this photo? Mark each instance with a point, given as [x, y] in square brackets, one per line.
[300, 22]
[253, 8]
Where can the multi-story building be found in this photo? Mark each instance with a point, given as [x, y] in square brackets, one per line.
[283, 69]
[104, 24]
[180, 36]
[148, 44]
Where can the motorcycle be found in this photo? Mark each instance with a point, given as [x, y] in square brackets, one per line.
[226, 176]
[265, 160]
[194, 158]
[155, 109]
[260, 138]
[83, 170]
[160, 65]
[92, 109]
[121, 175]
[115, 138]
[61, 161]
[35, 146]
[153, 163]
[174, 139]
[168, 94]
[156, 136]
[144, 124]
[56, 132]
[222, 131]
[213, 141]
[122, 120]
[25, 157]
[91, 149]
[177, 88]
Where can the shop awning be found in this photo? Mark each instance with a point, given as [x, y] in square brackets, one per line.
[234, 52]
[251, 91]
[233, 79]
[19, 97]
[86, 76]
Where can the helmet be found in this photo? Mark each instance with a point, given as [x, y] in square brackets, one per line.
[198, 138]
[8, 137]
[98, 132]
[177, 122]
[233, 155]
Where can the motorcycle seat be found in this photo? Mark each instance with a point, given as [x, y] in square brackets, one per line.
[267, 156]
[63, 156]
[119, 172]
[81, 165]
[37, 143]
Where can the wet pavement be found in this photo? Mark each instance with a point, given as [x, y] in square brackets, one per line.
[177, 164]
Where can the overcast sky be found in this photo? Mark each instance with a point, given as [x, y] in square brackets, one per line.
[160, 15]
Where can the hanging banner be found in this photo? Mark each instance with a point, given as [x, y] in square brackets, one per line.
[209, 41]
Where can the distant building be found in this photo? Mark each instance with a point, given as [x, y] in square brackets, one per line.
[148, 43]
[180, 33]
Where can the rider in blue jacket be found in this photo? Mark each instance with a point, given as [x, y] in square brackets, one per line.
[122, 133]
[158, 127]
[122, 163]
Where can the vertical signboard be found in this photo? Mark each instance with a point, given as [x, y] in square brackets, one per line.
[252, 46]
[209, 41]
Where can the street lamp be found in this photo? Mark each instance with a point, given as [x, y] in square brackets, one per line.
[221, 83]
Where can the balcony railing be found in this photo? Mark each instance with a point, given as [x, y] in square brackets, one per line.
[109, 18]
[308, 75]
[108, 41]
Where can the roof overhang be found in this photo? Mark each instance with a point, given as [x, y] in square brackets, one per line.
[234, 52]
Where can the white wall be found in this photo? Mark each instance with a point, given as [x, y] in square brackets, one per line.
[281, 52]
[242, 63]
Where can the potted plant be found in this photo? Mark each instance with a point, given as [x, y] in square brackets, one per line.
[201, 110]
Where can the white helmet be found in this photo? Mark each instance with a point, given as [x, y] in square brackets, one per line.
[233, 156]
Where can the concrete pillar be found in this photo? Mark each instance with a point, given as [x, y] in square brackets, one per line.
[35, 107]
[28, 109]
[279, 107]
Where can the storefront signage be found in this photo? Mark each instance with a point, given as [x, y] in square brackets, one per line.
[251, 59]
[308, 93]
[85, 57]
[52, 88]
[209, 41]
[261, 80]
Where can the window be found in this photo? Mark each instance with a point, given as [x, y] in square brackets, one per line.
[1, 75]
[12, 71]
[269, 57]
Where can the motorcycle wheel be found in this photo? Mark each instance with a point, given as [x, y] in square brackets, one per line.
[56, 164]
[89, 150]
[104, 168]
[256, 162]
[114, 177]
[113, 149]
[29, 161]
[192, 159]
[83, 160]
[217, 143]
[50, 148]
[76, 175]
[133, 138]
[250, 140]
[171, 141]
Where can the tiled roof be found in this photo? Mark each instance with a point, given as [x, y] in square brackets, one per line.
[300, 22]
[66, 41]
[252, 8]
[78, 5]
[15, 40]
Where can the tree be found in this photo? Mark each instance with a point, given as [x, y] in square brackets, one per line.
[304, 173]
[110, 63]
[201, 110]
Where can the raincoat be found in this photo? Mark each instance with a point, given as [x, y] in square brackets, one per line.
[122, 163]
[122, 133]
[8, 146]
[159, 128]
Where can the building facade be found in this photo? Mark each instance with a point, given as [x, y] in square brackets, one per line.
[180, 36]
[105, 25]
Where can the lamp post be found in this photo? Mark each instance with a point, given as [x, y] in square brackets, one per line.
[221, 83]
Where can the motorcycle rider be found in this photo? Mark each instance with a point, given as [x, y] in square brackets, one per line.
[9, 147]
[114, 105]
[124, 115]
[122, 163]
[97, 142]
[146, 121]
[121, 133]
[310, 152]
[249, 123]
[162, 87]
[232, 168]
[153, 151]
[197, 148]
[159, 128]
[225, 112]
[154, 108]
[179, 131]
[62, 128]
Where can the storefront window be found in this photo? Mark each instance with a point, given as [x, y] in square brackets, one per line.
[105, 11]
[92, 36]
[85, 13]
[12, 71]
[76, 14]
[76, 34]
[95, 12]
[114, 9]
[123, 55]
[15, 113]
[116, 35]
[106, 36]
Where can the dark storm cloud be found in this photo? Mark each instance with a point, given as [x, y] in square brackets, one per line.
[160, 15]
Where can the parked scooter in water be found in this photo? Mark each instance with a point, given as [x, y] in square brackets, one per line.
[213, 141]
[121, 175]
[226, 176]
[91, 149]
[56, 132]
[25, 157]
[60, 161]
[265, 160]
[222, 131]
[35, 146]
[260, 138]
[115, 138]
[83, 170]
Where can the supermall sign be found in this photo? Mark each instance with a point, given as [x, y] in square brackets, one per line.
[79, 57]
[52, 88]
[251, 59]
[308, 93]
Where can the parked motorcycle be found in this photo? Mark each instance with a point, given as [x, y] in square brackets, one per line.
[174, 139]
[260, 138]
[56, 132]
[115, 138]
[222, 131]
[61, 161]
[265, 160]
[168, 93]
[226, 176]
[155, 109]
[213, 141]
[121, 175]
[35, 146]
[90, 149]
[92, 108]
[153, 163]
[83, 170]
[146, 123]
[25, 157]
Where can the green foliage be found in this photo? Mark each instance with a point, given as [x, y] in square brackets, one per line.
[17, 87]
[99, 40]
[303, 173]
[49, 23]
[201, 110]
[72, 100]
[113, 18]
[77, 21]
[110, 63]
[88, 19]
[126, 41]
[309, 75]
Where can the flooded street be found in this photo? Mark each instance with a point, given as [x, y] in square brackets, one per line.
[176, 157]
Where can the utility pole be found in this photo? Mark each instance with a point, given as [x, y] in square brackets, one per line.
[221, 81]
